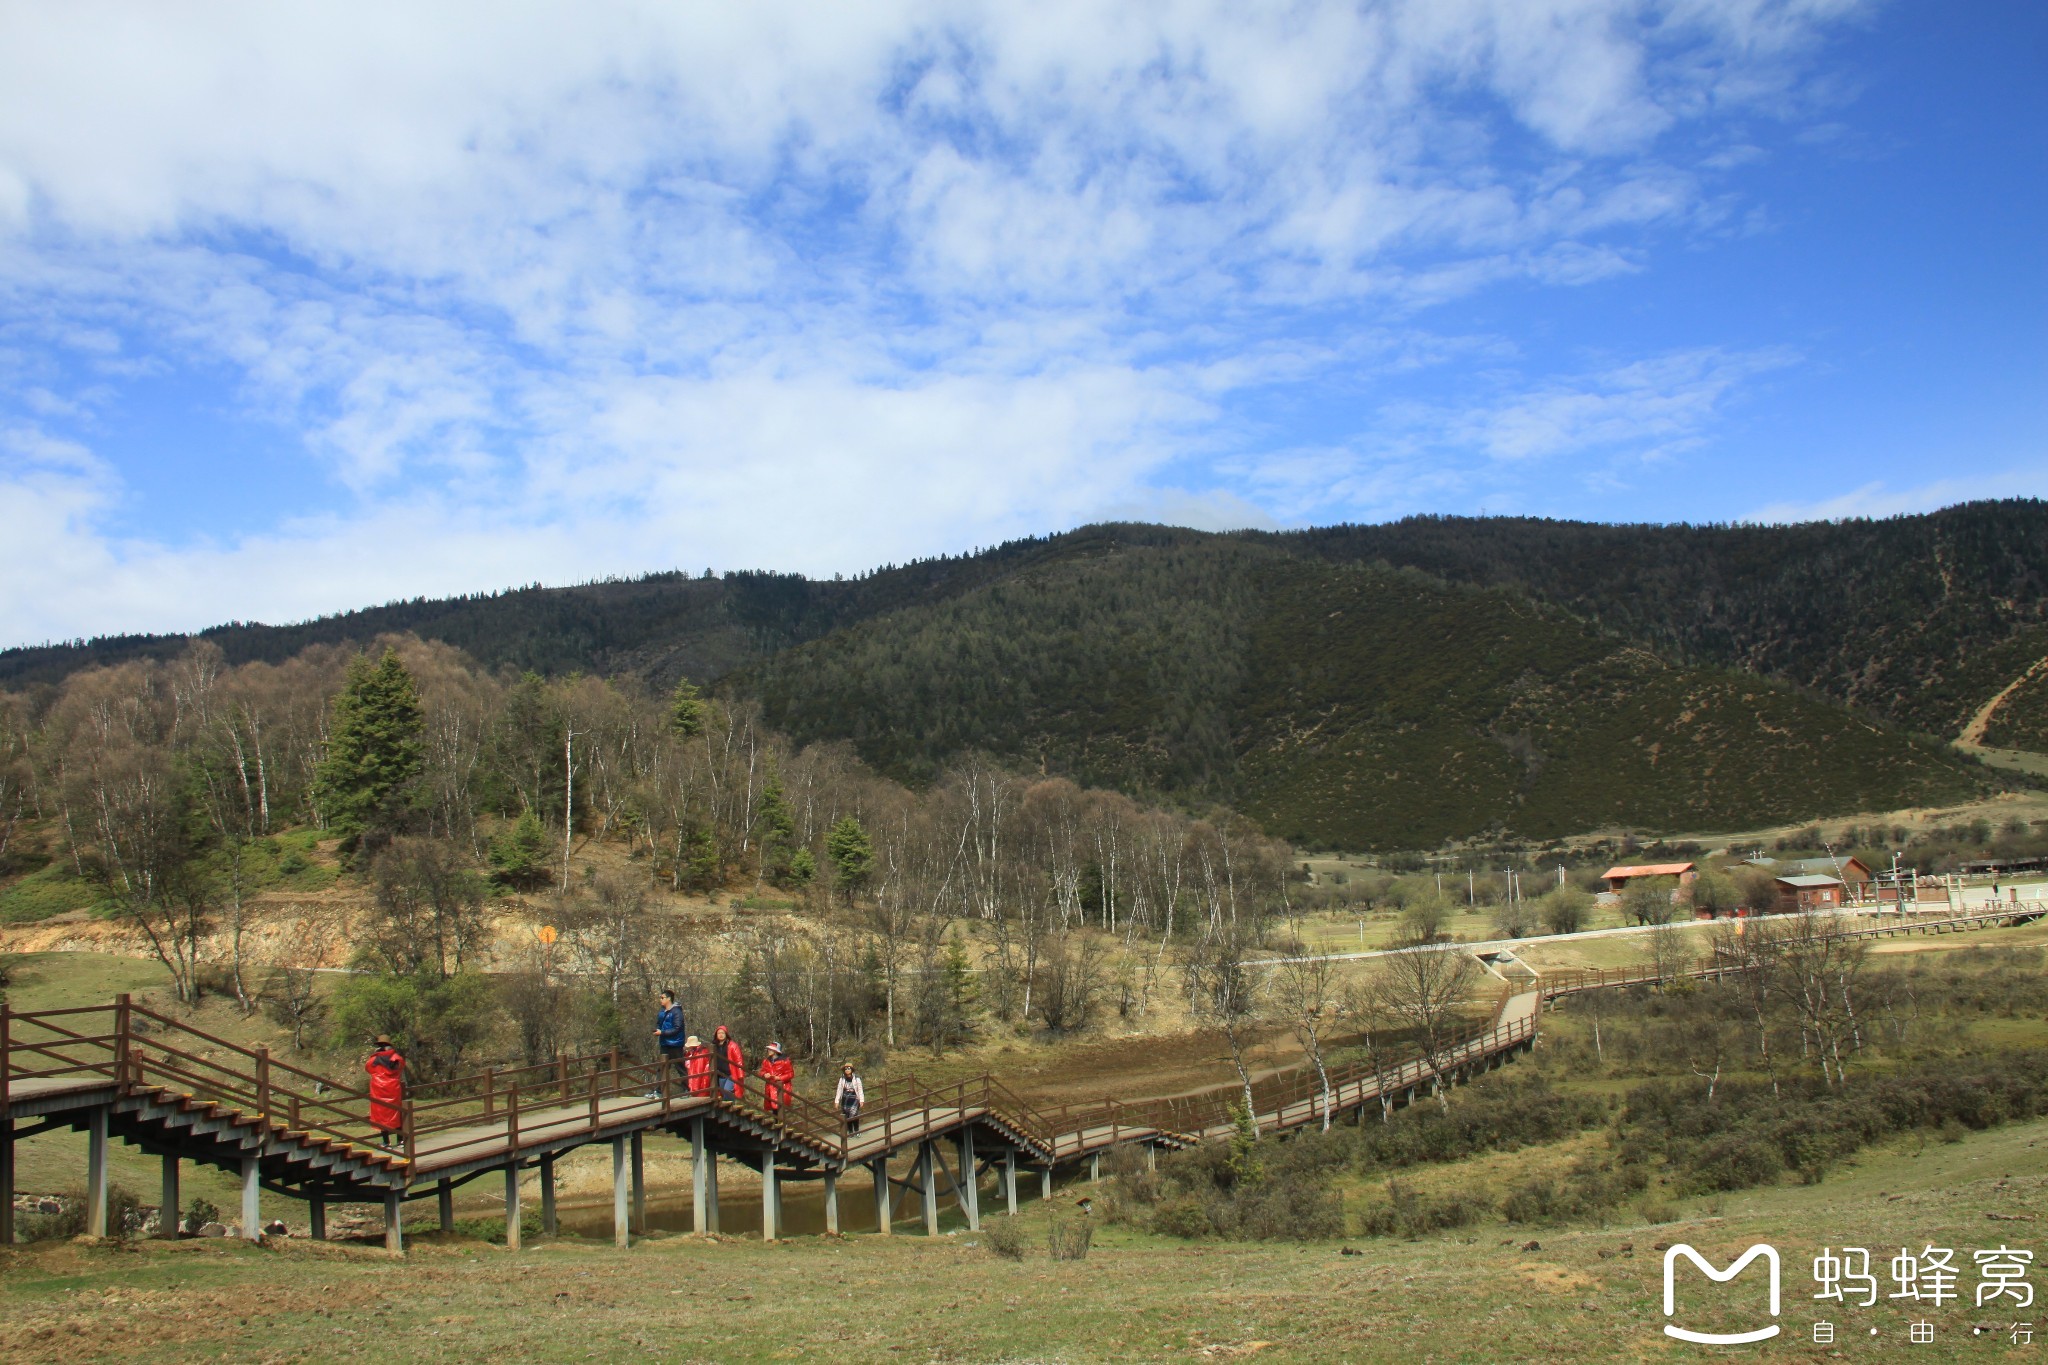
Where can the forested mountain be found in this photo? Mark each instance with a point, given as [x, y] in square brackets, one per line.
[1920, 619]
[1360, 684]
[1358, 706]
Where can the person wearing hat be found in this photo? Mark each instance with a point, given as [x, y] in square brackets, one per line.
[850, 1095]
[387, 1089]
[778, 1078]
[697, 1065]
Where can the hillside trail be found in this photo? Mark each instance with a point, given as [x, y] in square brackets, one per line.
[1973, 733]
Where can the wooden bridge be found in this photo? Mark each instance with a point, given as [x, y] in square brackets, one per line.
[123, 1071]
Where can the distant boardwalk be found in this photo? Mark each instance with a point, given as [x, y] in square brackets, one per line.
[122, 1071]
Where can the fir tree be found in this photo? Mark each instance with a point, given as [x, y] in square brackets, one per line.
[852, 854]
[520, 855]
[686, 711]
[375, 753]
[803, 868]
[777, 823]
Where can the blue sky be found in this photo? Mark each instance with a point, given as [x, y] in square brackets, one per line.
[305, 308]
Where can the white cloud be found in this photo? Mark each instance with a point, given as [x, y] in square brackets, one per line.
[1654, 406]
[553, 292]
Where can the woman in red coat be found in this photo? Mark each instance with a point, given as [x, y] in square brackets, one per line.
[387, 1089]
[778, 1078]
[727, 1063]
[697, 1065]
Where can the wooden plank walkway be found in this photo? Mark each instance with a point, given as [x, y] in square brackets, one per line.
[122, 1071]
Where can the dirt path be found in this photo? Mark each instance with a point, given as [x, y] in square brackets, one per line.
[1973, 733]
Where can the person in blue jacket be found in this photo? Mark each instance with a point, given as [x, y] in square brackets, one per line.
[672, 1034]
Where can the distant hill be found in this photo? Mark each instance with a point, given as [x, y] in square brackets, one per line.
[1338, 704]
[1629, 673]
[1919, 619]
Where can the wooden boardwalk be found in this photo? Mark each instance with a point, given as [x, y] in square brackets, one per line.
[121, 1071]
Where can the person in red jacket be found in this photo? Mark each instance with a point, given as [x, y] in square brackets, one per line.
[778, 1078]
[697, 1065]
[387, 1089]
[727, 1063]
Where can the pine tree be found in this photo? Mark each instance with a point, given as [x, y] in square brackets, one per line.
[375, 753]
[778, 827]
[686, 711]
[1243, 1163]
[852, 854]
[803, 868]
[520, 855]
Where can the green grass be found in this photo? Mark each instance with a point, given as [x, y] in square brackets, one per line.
[1485, 1294]
[49, 981]
[51, 890]
[291, 861]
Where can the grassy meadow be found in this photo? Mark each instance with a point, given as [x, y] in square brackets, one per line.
[1524, 1220]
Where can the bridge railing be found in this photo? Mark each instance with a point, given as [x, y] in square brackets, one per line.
[137, 1048]
[906, 1108]
[505, 1104]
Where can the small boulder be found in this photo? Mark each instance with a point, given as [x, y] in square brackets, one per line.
[49, 1206]
[1532, 1246]
[213, 1230]
[276, 1228]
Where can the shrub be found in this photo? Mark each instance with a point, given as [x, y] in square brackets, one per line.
[1290, 1211]
[1003, 1238]
[67, 1222]
[1732, 1163]
[124, 1217]
[1182, 1217]
[1514, 1113]
[1069, 1240]
[1411, 1214]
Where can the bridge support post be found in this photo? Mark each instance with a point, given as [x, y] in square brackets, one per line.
[394, 1222]
[168, 1203]
[547, 1194]
[879, 1168]
[1094, 1168]
[1045, 1185]
[697, 1180]
[928, 1184]
[96, 1173]
[622, 1226]
[444, 1204]
[967, 1187]
[512, 1205]
[1010, 1180]
[639, 1223]
[6, 1175]
[831, 1203]
[771, 1201]
[316, 1214]
[252, 1199]
[1151, 1156]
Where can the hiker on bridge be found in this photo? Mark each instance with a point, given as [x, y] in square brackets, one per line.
[697, 1065]
[387, 1089]
[850, 1095]
[728, 1063]
[670, 1034]
[778, 1078]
